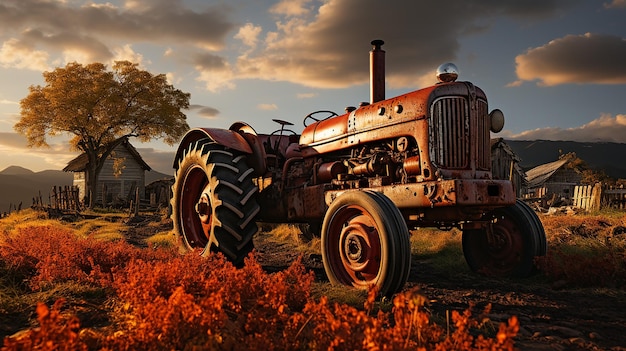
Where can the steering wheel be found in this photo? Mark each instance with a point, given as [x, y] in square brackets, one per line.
[282, 123]
[311, 116]
[282, 131]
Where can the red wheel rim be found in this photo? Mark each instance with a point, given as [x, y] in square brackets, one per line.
[505, 246]
[195, 208]
[354, 247]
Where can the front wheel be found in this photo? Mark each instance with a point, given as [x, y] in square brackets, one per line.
[365, 241]
[508, 247]
[214, 202]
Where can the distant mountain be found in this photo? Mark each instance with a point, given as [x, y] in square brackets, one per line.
[16, 170]
[608, 157]
[21, 185]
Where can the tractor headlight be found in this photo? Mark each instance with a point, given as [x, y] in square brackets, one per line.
[447, 73]
[496, 117]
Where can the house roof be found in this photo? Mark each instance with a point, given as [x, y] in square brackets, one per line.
[499, 143]
[79, 164]
[540, 174]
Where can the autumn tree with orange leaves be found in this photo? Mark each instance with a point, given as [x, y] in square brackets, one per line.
[100, 109]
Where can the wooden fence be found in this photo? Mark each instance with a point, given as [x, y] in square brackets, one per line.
[595, 197]
[62, 198]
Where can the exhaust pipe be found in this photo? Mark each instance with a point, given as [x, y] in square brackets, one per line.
[377, 72]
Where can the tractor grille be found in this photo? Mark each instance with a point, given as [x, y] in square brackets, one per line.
[456, 136]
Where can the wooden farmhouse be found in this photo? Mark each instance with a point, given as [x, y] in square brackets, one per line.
[114, 189]
[553, 180]
[505, 165]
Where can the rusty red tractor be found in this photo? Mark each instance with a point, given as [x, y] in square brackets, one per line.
[361, 180]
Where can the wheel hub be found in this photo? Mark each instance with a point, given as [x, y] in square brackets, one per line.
[356, 247]
[203, 208]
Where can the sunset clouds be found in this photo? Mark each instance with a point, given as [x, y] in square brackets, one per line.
[606, 128]
[310, 43]
[587, 58]
[284, 58]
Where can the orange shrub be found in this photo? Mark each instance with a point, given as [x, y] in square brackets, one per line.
[55, 332]
[49, 255]
[164, 301]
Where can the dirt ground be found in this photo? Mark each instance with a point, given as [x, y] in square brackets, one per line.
[551, 317]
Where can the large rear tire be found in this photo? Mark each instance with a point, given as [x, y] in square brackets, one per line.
[365, 241]
[214, 202]
[510, 246]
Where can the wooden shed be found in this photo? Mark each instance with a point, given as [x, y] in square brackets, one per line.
[118, 187]
[554, 180]
[505, 165]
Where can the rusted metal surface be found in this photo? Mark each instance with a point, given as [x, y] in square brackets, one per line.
[455, 192]
[377, 72]
[258, 158]
[224, 137]
[329, 171]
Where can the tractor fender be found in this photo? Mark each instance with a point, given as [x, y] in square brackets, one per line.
[257, 158]
[239, 136]
[224, 137]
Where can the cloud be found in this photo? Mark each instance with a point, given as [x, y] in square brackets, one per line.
[159, 160]
[291, 7]
[205, 111]
[327, 48]
[306, 95]
[267, 107]
[13, 148]
[12, 140]
[314, 43]
[214, 70]
[249, 35]
[92, 31]
[588, 58]
[126, 53]
[606, 128]
[14, 54]
[617, 4]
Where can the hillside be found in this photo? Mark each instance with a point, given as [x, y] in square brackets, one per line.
[20, 185]
[599, 156]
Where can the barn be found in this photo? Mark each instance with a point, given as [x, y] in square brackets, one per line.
[505, 165]
[554, 180]
[117, 183]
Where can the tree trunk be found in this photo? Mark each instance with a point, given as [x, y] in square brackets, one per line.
[92, 184]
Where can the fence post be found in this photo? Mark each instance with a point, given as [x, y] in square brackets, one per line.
[596, 196]
[136, 201]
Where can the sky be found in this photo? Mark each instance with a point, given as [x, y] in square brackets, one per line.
[556, 68]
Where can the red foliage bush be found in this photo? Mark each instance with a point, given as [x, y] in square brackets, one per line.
[55, 332]
[170, 302]
[44, 256]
